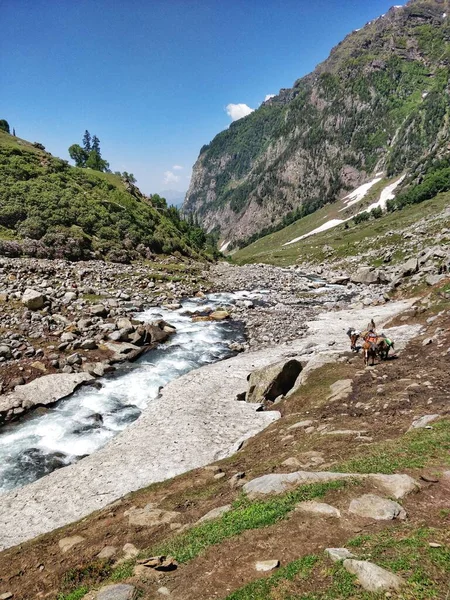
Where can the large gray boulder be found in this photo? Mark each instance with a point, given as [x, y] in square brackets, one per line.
[32, 299]
[44, 390]
[265, 385]
[372, 577]
[118, 591]
[375, 507]
[366, 275]
[410, 267]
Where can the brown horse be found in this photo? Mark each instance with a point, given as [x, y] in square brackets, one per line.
[369, 351]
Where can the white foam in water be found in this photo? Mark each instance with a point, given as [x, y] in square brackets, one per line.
[85, 421]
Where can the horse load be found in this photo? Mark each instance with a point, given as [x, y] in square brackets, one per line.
[373, 344]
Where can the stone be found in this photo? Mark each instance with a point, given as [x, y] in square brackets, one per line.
[301, 425]
[149, 516]
[117, 591]
[340, 390]
[410, 267]
[375, 507]
[99, 310]
[45, 390]
[291, 462]
[32, 299]
[74, 359]
[130, 551]
[88, 344]
[68, 336]
[67, 543]
[5, 351]
[107, 552]
[163, 591]
[267, 565]
[6, 596]
[37, 364]
[372, 577]
[337, 554]
[365, 275]
[215, 513]
[272, 381]
[319, 508]
[423, 421]
[159, 563]
[277, 483]
[219, 315]
[396, 486]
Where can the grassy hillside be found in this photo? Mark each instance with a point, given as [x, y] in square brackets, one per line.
[347, 239]
[51, 209]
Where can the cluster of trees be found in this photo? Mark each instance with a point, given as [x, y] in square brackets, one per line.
[89, 155]
[375, 213]
[4, 126]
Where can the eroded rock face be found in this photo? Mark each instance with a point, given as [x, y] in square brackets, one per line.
[266, 385]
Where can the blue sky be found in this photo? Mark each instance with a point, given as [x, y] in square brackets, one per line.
[153, 78]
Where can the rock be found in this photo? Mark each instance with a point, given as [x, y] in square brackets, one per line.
[6, 596]
[219, 315]
[291, 462]
[423, 421]
[159, 563]
[340, 390]
[434, 279]
[67, 543]
[68, 336]
[5, 351]
[219, 475]
[429, 477]
[375, 507]
[397, 486]
[130, 551]
[37, 364]
[32, 299]
[74, 359]
[99, 310]
[301, 425]
[372, 577]
[215, 513]
[265, 385]
[337, 554]
[267, 565]
[149, 516]
[117, 591]
[427, 341]
[88, 344]
[277, 483]
[410, 267]
[44, 390]
[365, 275]
[97, 369]
[163, 591]
[107, 552]
[319, 508]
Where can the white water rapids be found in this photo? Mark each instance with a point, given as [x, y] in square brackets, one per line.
[82, 423]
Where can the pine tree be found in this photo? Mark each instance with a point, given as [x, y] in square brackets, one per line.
[87, 141]
[96, 145]
[14, 132]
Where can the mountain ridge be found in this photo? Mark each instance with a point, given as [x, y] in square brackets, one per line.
[380, 101]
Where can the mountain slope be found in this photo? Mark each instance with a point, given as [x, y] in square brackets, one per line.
[380, 102]
[53, 210]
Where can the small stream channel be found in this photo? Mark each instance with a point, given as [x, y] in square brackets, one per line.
[46, 440]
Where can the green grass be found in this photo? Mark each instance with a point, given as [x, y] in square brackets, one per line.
[245, 515]
[344, 242]
[261, 589]
[415, 450]
[75, 595]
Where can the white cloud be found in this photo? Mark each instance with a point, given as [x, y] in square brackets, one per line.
[237, 111]
[177, 167]
[170, 177]
[268, 97]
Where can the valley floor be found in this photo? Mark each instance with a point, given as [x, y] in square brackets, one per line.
[359, 426]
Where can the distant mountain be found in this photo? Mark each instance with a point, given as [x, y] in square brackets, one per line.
[380, 102]
[173, 197]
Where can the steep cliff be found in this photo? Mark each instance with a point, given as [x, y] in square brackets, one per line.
[380, 102]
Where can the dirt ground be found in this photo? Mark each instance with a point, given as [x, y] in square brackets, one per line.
[382, 405]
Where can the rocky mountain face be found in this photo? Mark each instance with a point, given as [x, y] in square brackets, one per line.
[380, 102]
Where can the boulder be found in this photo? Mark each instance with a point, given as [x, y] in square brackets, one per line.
[277, 483]
[117, 591]
[372, 577]
[150, 516]
[366, 275]
[215, 513]
[423, 421]
[319, 508]
[375, 507]
[396, 486]
[410, 267]
[267, 565]
[32, 299]
[340, 390]
[45, 390]
[5, 351]
[337, 554]
[268, 383]
[67, 543]
[99, 310]
[219, 315]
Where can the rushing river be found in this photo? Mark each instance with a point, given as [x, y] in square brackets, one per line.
[82, 423]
